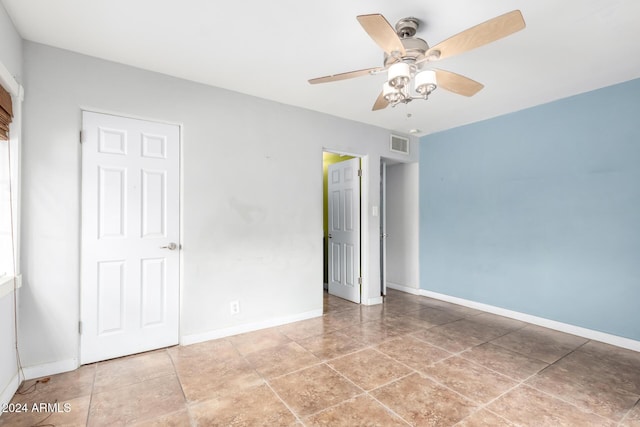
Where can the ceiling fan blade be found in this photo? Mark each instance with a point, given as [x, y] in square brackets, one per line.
[380, 103]
[485, 33]
[382, 33]
[345, 76]
[456, 83]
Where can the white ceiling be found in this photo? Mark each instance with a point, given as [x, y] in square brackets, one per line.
[271, 48]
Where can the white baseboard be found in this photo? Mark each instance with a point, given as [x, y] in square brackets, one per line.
[10, 390]
[249, 327]
[540, 321]
[373, 301]
[43, 370]
[39, 371]
[403, 288]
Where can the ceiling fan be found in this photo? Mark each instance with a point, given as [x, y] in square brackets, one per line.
[405, 56]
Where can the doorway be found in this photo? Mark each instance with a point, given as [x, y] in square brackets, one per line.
[342, 225]
[399, 211]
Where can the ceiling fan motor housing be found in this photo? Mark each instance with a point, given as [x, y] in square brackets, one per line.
[415, 49]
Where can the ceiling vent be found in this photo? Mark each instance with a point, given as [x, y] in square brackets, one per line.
[399, 144]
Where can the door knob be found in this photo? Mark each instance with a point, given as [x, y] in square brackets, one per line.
[171, 246]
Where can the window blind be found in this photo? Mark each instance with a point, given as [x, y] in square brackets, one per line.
[6, 113]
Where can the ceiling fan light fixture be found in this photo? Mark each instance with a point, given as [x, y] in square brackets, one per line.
[399, 75]
[425, 82]
[391, 94]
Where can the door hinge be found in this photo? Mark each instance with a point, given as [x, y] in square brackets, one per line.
[81, 137]
[360, 173]
[359, 280]
[80, 328]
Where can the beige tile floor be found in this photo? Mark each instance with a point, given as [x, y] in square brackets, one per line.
[410, 361]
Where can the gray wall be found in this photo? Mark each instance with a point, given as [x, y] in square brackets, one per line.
[10, 46]
[537, 211]
[252, 196]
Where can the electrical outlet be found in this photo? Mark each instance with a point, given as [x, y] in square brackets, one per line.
[234, 307]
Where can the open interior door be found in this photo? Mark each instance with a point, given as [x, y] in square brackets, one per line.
[344, 229]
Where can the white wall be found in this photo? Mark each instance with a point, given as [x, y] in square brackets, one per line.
[252, 197]
[402, 209]
[10, 46]
[8, 366]
[11, 59]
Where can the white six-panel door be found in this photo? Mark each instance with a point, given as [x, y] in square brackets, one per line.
[130, 236]
[344, 229]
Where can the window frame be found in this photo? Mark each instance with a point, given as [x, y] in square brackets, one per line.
[9, 281]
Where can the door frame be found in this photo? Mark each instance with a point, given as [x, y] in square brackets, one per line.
[364, 223]
[383, 227]
[180, 125]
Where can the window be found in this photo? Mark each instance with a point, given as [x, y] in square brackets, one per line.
[10, 128]
[6, 113]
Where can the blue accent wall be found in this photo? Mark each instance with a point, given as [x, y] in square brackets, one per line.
[539, 211]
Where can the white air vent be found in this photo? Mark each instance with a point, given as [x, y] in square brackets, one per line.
[399, 144]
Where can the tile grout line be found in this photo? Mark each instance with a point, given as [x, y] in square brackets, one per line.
[286, 405]
[461, 355]
[583, 410]
[184, 395]
[561, 398]
[519, 382]
[622, 420]
[423, 374]
[369, 323]
[491, 412]
[481, 406]
[430, 378]
[123, 358]
[391, 411]
[522, 383]
[366, 392]
[426, 376]
[93, 383]
[450, 356]
[266, 381]
[384, 405]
